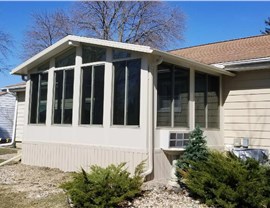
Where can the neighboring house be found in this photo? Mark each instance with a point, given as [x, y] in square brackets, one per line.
[12, 111]
[7, 108]
[91, 101]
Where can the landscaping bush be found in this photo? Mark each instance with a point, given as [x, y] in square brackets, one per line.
[196, 150]
[104, 187]
[223, 180]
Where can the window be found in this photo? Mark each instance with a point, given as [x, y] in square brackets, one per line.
[206, 100]
[93, 54]
[39, 86]
[173, 96]
[63, 96]
[179, 139]
[66, 59]
[120, 54]
[126, 99]
[92, 95]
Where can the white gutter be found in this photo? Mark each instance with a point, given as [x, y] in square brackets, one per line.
[246, 61]
[209, 68]
[14, 122]
[150, 119]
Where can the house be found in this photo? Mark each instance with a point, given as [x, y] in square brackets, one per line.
[91, 101]
[7, 106]
[12, 103]
[245, 96]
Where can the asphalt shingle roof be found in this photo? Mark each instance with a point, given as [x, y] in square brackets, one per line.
[227, 51]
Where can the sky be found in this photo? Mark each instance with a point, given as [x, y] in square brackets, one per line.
[206, 22]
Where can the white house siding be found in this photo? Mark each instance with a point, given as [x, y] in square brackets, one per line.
[247, 108]
[20, 116]
[70, 157]
[69, 147]
[7, 106]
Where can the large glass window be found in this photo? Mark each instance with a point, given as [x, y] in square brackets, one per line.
[92, 95]
[39, 85]
[126, 99]
[206, 100]
[173, 96]
[66, 59]
[63, 96]
[93, 54]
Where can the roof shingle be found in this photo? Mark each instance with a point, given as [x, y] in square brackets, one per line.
[227, 51]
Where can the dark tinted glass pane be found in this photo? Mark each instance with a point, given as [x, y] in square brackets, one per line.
[213, 102]
[86, 95]
[68, 102]
[181, 97]
[200, 98]
[98, 95]
[43, 98]
[133, 99]
[34, 97]
[164, 91]
[92, 54]
[118, 54]
[66, 59]
[58, 96]
[119, 92]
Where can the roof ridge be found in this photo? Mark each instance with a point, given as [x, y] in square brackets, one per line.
[223, 41]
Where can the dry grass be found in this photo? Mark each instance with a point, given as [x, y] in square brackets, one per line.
[4, 151]
[10, 199]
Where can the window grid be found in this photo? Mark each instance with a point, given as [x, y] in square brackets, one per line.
[172, 97]
[37, 113]
[126, 94]
[206, 91]
[63, 100]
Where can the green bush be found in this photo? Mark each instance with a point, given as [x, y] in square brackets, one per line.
[223, 180]
[104, 187]
[196, 150]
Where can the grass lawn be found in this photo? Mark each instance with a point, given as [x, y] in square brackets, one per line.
[10, 199]
[4, 151]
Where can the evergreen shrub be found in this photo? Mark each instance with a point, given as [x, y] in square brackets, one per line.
[196, 150]
[223, 180]
[104, 187]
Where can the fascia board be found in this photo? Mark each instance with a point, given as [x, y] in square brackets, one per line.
[205, 67]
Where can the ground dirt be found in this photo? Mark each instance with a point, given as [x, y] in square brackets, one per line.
[23, 186]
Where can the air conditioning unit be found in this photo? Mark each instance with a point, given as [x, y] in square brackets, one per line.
[178, 139]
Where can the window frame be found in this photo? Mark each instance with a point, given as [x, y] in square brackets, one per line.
[92, 65]
[38, 98]
[125, 125]
[206, 90]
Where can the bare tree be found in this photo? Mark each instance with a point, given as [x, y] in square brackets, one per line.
[47, 28]
[267, 28]
[5, 44]
[140, 22]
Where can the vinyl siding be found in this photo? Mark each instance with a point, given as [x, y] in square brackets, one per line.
[71, 157]
[20, 116]
[7, 106]
[247, 108]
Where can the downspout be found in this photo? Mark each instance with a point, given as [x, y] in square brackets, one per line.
[150, 117]
[14, 122]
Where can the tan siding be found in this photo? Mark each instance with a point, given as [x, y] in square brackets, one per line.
[20, 116]
[71, 157]
[247, 108]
